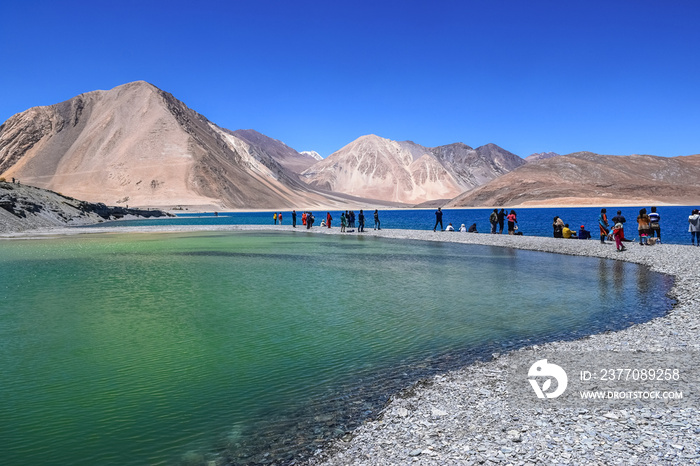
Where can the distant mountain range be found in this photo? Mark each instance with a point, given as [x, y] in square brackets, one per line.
[406, 172]
[588, 179]
[138, 145]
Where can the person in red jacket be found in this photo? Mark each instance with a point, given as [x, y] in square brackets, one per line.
[512, 220]
[328, 219]
[618, 234]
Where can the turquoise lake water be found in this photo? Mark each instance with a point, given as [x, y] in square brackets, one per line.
[163, 348]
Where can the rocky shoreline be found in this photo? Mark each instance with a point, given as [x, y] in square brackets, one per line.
[24, 207]
[464, 417]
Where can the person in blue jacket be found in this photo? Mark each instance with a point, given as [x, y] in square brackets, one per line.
[583, 233]
[438, 219]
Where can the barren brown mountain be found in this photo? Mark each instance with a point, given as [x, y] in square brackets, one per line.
[138, 145]
[407, 172]
[584, 178]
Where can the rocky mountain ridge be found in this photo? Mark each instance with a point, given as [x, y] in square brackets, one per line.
[588, 179]
[407, 172]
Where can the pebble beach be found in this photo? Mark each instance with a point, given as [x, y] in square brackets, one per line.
[464, 417]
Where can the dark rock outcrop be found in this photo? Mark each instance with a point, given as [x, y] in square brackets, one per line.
[25, 207]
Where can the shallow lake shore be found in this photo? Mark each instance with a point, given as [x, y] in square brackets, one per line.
[464, 417]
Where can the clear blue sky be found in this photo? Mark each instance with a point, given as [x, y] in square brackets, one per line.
[613, 77]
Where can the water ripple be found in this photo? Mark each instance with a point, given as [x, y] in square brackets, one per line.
[138, 350]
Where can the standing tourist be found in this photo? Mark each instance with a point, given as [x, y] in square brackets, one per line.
[279, 218]
[376, 220]
[361, 218]
[351, 222]
[512, 220]
[493, 220]
[558, 226]
[694, 227]
[294, 218]
[328, 219]
[303, 218]
[438, 219]
[619, 218]
[603, 224]
[654, 227]
[643, 227]
[274, 218]
[343, 222]
[501, 220]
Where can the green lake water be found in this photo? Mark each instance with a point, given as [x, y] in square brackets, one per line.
[185, 347]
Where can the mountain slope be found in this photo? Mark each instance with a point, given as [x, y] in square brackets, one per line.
[276, 152]
[585, 178]
[474, 167]
[406, 172]
[139, 145]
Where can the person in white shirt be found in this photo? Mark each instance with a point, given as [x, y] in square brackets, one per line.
[694, 227]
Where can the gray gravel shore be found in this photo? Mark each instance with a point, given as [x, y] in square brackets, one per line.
[464, 417]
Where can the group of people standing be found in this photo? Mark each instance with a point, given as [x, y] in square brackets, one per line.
[648, 227]
[307, 219]
[497, 219]
[347, 220]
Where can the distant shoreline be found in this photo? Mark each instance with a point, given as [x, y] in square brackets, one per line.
[526, 205]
